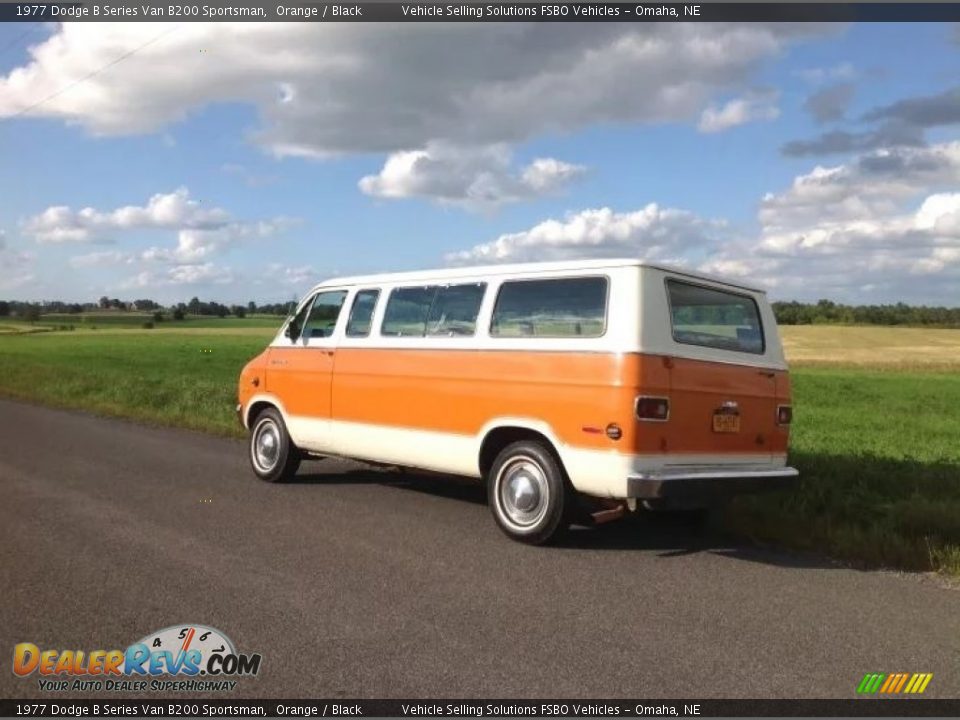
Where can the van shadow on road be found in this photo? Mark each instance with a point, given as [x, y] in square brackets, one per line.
[668, 535]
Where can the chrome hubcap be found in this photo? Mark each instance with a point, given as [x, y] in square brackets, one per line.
[266, 446]
[523, 492]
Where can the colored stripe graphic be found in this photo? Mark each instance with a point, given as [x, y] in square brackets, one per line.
[870, 683]
[894, 683]
[918, 683]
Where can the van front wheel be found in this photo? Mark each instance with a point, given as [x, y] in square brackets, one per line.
[528, 495]
[273, 456]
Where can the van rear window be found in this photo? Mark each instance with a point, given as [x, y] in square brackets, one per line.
[564, 307]
[713, 318]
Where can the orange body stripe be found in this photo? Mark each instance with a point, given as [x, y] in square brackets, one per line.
[459, 391]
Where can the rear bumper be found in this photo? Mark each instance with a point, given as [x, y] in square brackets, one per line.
[701, 483]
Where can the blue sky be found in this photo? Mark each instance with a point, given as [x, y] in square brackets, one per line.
[250, 161]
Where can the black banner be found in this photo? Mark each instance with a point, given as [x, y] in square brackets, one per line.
[873, 707]
[303, 11]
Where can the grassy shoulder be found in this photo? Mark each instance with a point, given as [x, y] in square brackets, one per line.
[876, 448]
[177, 379]
[879, 469]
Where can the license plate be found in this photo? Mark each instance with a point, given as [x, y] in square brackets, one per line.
[726, 423]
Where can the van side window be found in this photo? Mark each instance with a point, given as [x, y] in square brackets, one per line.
[361, 314]
[435, 310]
[407, 311]
[455, 309]
[562, 307]
[323, 315]
[714, 318]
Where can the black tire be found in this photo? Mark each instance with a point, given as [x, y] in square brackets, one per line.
[537, 512]
[277, 465]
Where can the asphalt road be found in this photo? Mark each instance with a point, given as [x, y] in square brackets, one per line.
[354, 582]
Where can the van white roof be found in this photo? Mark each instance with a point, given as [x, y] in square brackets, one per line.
[470, 271]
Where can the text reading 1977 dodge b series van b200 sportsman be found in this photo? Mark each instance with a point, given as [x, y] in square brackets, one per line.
[598, 384]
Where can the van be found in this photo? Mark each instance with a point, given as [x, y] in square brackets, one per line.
[607, 385]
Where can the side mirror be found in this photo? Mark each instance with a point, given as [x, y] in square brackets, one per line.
[292, 331]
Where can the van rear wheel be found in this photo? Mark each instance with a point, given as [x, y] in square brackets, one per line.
[528, 494]
[273, 456]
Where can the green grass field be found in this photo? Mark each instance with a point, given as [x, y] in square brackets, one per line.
[879, 462]
[186, 379]
[876, 427]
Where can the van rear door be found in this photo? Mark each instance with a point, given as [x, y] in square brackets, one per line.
[723, 395]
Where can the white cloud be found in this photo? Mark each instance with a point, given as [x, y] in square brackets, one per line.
[654, 233]
[884, 227]
[322, 89]
[17, 280]
[196, 244]
[878, 228]
[201, 232]
[175, 210]
[548, 174]
[299, 276]
[107, 257]
[208, 276]
[195, 274]
[472, 177]
[873, 185]
[16, 266]
[940, 214]
[840, 72]
[739, 111]
[201, 274]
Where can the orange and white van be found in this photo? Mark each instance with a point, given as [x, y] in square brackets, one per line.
[617, 382]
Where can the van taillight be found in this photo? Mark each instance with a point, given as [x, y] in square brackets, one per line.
[656, 409]
[784, 414]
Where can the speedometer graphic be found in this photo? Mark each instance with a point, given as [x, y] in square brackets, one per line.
[190, 636]
[189, 649]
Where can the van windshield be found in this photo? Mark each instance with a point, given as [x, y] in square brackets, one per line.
[709, 317]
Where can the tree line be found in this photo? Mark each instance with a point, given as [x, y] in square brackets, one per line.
[829, 312]
[787, 313]
[179, 311]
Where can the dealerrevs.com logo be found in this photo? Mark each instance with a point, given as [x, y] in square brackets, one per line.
[188, 658]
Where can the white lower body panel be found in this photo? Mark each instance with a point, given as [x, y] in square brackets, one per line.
[601, 473]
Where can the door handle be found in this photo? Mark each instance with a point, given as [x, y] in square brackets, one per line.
[767, 373]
